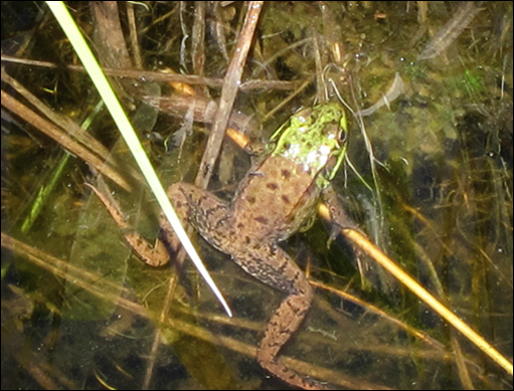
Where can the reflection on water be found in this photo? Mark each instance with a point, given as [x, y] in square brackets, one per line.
[430, 183]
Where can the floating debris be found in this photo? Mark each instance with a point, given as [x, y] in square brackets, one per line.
[450, 31]
[394, 92]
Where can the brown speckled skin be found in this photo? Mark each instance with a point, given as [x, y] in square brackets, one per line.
[278, 192]
[272, 203]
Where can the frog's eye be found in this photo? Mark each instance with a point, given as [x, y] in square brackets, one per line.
[342, 136]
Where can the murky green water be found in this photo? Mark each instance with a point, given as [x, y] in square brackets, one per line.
[429, 180]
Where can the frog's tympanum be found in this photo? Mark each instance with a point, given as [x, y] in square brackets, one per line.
[272, 202]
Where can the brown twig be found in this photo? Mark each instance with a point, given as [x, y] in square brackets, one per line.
[228, 94]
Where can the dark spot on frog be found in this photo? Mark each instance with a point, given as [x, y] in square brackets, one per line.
[240, 226]
[251, 200]
[262, 219]
[272, 185]
[286, 173]
[273, 249]
[286, 199]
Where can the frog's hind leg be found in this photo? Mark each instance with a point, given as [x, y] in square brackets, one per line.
[277, 269]
[204, 211]
[266, 262]
[155, 255]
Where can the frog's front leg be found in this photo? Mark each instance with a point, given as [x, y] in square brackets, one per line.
[338, 214]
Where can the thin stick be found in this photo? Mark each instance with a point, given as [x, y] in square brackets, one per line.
[228, 94]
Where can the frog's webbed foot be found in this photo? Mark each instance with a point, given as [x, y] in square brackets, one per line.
[155, 255]
[281, 327]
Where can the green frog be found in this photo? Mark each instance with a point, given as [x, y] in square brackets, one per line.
[272, 202]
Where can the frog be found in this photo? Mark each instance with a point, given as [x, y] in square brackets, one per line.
[273, 201]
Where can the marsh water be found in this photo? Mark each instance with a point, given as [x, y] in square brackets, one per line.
[428, 178]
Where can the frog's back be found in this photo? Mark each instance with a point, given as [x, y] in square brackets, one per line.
[274, 200]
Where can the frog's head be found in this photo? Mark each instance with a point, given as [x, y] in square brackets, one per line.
[315, 138]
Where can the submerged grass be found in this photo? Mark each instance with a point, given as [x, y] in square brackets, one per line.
[440, 202]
